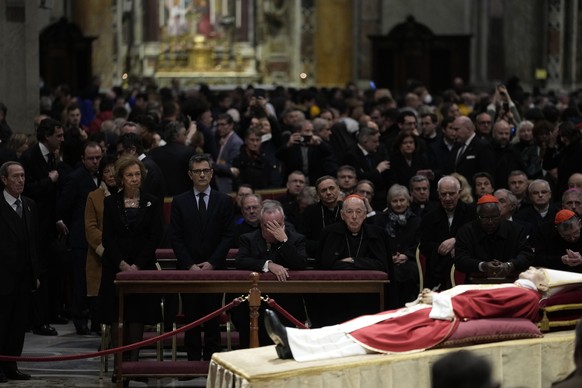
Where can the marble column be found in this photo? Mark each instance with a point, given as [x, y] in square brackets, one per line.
[20, 22]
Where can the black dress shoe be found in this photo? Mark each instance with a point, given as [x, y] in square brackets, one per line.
[17, 375]
[44, 330]
[278, 334]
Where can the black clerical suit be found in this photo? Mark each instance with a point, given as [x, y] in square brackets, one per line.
[313, 220]
[508, 244]
[549, 247]
[370, 249]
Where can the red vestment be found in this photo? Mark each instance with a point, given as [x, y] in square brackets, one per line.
[416, 331]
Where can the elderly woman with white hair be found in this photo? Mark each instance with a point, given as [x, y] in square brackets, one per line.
[403, 227]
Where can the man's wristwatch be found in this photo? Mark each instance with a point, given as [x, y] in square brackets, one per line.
[510, 267]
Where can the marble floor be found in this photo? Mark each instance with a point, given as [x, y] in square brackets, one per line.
[79, 373]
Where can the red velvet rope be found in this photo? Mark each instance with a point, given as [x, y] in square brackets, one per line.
[136, 345]
[285, 313]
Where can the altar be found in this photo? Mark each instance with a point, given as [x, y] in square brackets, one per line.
[220, 42]
[532, 363]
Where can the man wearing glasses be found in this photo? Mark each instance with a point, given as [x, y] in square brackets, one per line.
[542, 209]
[202, 228]
[492, 248]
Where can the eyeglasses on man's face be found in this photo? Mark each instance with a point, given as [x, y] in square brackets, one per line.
[200, 171]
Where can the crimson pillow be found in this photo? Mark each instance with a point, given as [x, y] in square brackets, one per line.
[562, 310]
[480, 331]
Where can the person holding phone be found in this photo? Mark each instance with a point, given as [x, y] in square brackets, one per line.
[503, 108]
[305, 152]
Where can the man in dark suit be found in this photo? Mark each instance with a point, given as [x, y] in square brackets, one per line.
[507, 157]
[71, 211]
[295, 184]
[438, 231]
[371, 161]
[202, 227]
[229, 144]
[542, 208]
[272, 248]
[173, 158]
[44, 174]
[18, 266]
[442, 150]
[472, 154]
[307, 153]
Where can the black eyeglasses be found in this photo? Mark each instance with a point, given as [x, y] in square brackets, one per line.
[199, 171]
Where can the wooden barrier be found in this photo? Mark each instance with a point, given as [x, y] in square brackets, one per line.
[243, 282]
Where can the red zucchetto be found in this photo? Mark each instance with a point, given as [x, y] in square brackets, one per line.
[487, 198]
[563, 215]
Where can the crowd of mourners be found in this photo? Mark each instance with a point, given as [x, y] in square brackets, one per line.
[488, 181]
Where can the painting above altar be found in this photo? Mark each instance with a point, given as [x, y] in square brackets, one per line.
[207, 41]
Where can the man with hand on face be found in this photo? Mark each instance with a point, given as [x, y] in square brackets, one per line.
[201, 231]
[273, 249]
[491, 247]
